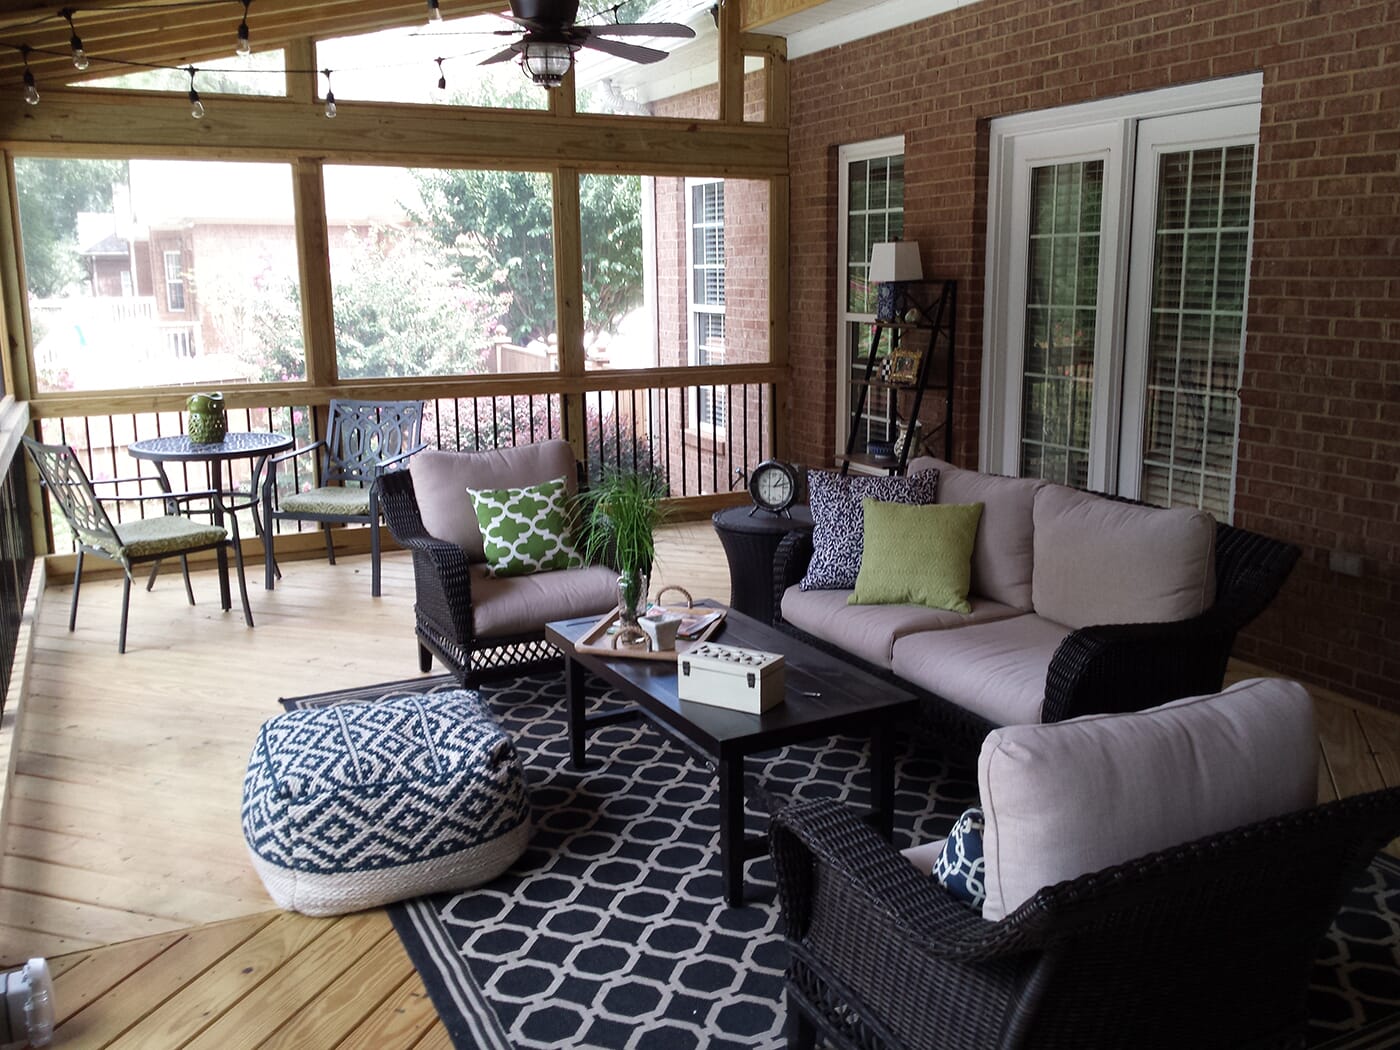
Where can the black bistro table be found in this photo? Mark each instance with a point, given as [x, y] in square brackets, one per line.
[825, 697]
[218, 458]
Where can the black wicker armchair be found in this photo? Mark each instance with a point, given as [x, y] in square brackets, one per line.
[450, 589]
[1119, 666]
[1205, 945]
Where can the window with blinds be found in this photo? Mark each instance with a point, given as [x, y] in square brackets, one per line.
[706, 220]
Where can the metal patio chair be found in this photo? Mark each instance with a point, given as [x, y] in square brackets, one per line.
[127, 543]
[364, 440]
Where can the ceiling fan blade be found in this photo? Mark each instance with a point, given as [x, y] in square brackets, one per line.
[654, 29]
[499, 56]
[631, 52]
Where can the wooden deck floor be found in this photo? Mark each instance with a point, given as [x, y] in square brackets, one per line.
[123, 856]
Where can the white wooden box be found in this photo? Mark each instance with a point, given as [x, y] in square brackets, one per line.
[727, 676]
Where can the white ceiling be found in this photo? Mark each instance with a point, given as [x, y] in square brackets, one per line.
[839, 22]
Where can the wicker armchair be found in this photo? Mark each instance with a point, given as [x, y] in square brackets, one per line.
[451, 585]
[1112, 667]
[1205, 945]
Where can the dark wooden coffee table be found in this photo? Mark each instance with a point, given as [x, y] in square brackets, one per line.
[825, 697]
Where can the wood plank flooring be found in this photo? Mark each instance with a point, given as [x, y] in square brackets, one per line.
[123, 855]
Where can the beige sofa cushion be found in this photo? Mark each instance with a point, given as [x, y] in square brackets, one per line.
[441, 480]
[1002, 557]
[1067, 798]
[869, 631]
[518, 604]
[996, 670]
[1101, 561]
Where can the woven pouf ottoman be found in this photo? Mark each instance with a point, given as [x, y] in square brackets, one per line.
[360, 804]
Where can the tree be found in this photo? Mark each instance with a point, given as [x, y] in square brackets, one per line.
[500, 224]
[401, 309]
[52, 191]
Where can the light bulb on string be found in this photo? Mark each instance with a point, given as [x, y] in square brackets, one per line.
[31, 91]
[434, 12]
[245, 46]
[330, 96]
[442, 76]
[80, 59]
[196, 106]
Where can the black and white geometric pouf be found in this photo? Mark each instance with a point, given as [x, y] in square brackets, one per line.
[357, 805]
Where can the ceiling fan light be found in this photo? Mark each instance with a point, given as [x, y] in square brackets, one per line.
[547, 62]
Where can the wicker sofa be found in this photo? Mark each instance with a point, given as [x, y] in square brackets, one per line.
[1080, 604]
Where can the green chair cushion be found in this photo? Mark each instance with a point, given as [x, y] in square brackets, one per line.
[333, 500]
[146, 537]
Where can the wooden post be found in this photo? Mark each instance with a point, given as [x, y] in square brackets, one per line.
[568, 302]
[731, 64]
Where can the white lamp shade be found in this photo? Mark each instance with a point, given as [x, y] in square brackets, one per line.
[895, 261]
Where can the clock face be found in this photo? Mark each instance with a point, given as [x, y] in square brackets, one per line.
[773, 486]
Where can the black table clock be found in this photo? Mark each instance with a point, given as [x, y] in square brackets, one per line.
[773, 486]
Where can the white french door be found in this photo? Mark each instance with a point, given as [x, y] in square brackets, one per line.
[1118, 260]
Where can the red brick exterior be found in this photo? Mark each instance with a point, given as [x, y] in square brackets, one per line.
[1319, 457]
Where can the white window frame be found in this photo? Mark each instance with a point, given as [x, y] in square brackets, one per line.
[174, 282]
[1109, 129]
[845, 319]
[694, 309]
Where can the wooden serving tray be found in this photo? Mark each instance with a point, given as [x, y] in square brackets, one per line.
[596, 641]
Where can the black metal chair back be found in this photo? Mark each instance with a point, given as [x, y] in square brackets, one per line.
[69, 486]
[363, 435]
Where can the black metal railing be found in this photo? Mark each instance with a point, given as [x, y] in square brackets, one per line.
[16, 559]
[702, 439]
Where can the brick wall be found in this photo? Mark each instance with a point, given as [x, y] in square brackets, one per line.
[1319, 457]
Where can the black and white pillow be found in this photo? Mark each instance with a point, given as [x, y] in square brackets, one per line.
[838, 520]
[962, 867]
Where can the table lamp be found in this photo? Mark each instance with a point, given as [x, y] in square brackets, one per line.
[893, 264]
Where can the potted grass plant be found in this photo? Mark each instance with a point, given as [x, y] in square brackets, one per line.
[623, 510]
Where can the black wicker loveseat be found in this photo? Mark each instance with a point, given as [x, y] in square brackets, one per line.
[1098, 667]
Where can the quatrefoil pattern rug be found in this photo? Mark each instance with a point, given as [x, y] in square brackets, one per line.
[610, 931]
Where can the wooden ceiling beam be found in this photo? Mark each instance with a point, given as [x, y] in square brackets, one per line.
[124, 123]
[754, 14]
[183, 36]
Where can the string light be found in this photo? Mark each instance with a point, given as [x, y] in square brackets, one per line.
[31, 92]
[330, 95]
[245, 47]
[434, 12]
[80, 59]
[442, 76]
[196, 106]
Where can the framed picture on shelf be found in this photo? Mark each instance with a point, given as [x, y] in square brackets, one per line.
[904, 365]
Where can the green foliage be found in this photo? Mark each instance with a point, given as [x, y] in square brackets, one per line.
[401, 309]
[624, 508]
[52, 191]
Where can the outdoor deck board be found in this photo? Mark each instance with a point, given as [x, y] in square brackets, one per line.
[124, 841]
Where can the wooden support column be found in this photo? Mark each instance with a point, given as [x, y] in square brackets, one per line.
[568, 302]
[19, 377]
[301, 56]
[731, 64]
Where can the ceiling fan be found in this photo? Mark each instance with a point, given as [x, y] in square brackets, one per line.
[550, 38]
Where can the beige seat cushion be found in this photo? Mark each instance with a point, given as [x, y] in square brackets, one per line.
[441, 480]
[996, 670]
[1101, 561]
[870, 631]
[924, 856]
[1068, 798]
[1003, 555]
[510, 605]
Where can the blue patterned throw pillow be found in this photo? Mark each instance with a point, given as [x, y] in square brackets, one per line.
[961, 868]
[838, 522]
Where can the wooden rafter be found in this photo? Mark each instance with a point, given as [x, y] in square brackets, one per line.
[184, 35]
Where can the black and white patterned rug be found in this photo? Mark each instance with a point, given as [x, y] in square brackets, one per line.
[610, 931]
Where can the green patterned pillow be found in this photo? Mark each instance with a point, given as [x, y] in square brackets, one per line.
[526, 530]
